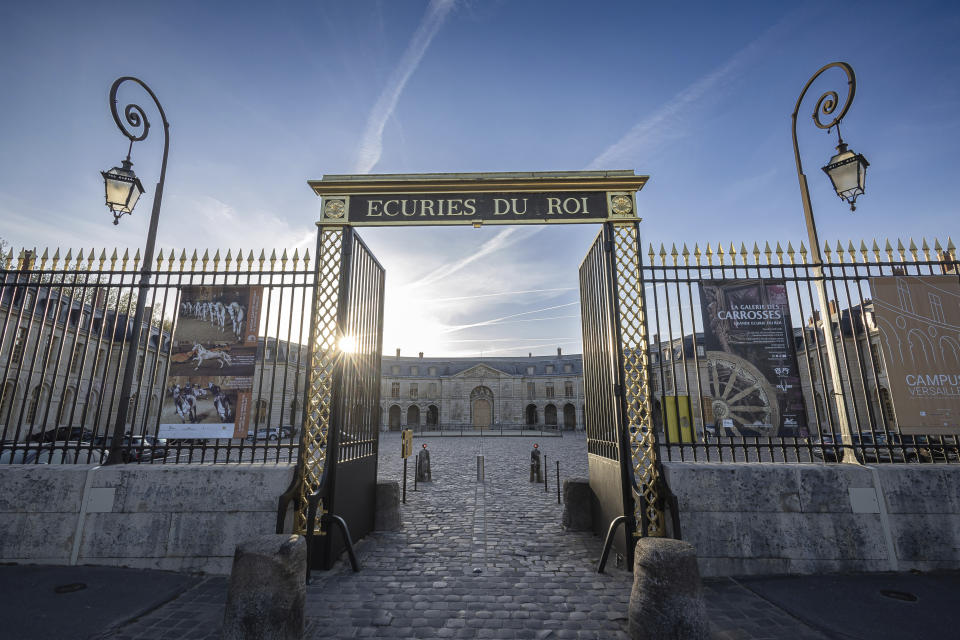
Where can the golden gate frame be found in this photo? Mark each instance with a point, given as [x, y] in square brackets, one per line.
[625, 472]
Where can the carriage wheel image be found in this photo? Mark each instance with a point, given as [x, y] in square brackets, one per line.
[742, 394]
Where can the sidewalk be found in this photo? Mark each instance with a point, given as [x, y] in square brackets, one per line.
[475, 561]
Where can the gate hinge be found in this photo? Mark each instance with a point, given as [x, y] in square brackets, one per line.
[608, 246]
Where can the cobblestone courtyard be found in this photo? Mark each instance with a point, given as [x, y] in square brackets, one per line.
[475, 560]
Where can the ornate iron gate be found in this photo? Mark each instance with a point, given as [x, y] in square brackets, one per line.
[337, 465]
[621, 443]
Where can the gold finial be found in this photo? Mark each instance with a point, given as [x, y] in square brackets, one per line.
[283, 261]
[79, 264]
[113, 259]
[709, 254]
[193, 261]
[250, 259]
[720, 253]
[673, 254]
[876, 251]
[171, 259]
[864, 252]
[889, 250]
[839, 252]
[205, 259]
[103, 259]
[827, 252]
[67, 259]
[901, 250]
[262, 259]
[852, 251]
[803, 252]
[159, 259]
[296, 258]
[733, 254]
[273, 258]
[696, 253]
[216, 260]
[306, 259]
[767, 252]
[90, 258]
[136, 260]
[227, 260]
[43, 259]
[925, 248]
[913, 250]
[53, 265]
[791, 253]
[183, 260]
[779, 252]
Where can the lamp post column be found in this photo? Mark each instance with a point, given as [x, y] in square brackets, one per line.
[827, 104]
[135, 117]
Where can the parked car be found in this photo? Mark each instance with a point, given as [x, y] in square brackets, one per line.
[63, 433]
[869, 446]
[135, 448]
[58, 452]
[267, 433]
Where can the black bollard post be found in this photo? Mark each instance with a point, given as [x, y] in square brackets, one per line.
[546, 474]
[404, 481]
[416, 472]
[535, 470]
[558, 482]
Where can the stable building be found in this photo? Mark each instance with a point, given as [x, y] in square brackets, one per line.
[539, 392]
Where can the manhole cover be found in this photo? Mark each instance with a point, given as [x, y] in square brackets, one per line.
[70, 588]
[898, 595]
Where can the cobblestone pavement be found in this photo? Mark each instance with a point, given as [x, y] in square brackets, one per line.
[475, 560]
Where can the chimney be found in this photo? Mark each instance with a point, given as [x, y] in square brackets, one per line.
[398, 353]
[420, 355]
[26, 260]
[559, 353]
[833, 307]
[530, 354]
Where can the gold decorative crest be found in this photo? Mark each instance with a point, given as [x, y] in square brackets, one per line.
[622, 204]
[333, 209]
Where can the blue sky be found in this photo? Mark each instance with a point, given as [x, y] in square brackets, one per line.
[697, 95]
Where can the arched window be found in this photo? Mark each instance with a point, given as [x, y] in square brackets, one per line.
[531, 414]
[550, 415]
[569, 417]
[395, 417]
[36, 395]
[433, 415]
[481, 407]
[6, 401]
[413, 416]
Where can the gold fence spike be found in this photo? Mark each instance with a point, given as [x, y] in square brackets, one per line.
[839, 250]
[183, 259]
[53, 265]
[733, 254]
[913, 250]
[239, 259]
[262, 259]
[803, 252]
[159, 259]
[876, 251]
[720, 253]
[103, 259]
[889, 250]
[652, 254]
[686, 255]
[113, 259]
[673, 254]
[273, 258]
[283, 261]
[171, 259]
[250, 261]
[44, 258]
[827, 252]
[864, 251]
[852, 250]
[950, 246]
[779, 252]
[296, 258]
[743, 253]
[767, 252]
[696, 253]
[709, 253]
[193, 261]
[67, 259]
[90, 258]
[936, 245]
[227, 260]
[79, 264]
[925, 248]
[901, 250]
[756, 253]
[136, 260]
[205, 259]
[216, 260]
[306, 259]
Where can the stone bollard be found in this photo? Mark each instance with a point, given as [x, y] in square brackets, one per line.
[267, 589]
[423, 466]
[387, 514]
[577, 505]
[536, 474]
[667, 599]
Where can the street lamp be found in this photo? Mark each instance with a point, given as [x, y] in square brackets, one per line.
[123, 189]
[847, 172]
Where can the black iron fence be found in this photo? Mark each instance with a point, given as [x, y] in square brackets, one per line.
[498, 429]
[66, 324]
[715, 398]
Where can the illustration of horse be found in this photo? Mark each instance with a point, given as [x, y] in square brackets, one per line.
[236, 318]
[222, 404]
[201, 354]
[186, 406]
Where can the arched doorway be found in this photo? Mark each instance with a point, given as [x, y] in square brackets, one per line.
[395, 418]
[530, 413]
[569, 417]
[550, 415]
[413, 416]
[433, 415]
[481, 407]
[6, 400]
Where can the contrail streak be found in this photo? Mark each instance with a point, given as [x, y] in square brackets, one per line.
[371, 146]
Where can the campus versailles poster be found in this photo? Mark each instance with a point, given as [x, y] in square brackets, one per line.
[208, 393]
[918, 321]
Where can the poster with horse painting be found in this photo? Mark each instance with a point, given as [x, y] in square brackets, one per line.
[208, 392]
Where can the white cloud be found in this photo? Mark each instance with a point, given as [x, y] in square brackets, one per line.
[371, 146]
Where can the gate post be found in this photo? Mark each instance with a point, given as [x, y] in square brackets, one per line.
[642, 474]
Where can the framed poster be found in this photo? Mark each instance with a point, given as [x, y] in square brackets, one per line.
[752, 374]
[209, 388]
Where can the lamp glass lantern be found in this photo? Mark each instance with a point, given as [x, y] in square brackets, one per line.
[122, 188]
[848, 173]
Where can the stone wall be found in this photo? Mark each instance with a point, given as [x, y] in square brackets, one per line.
[173, 517]
[811, 518]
